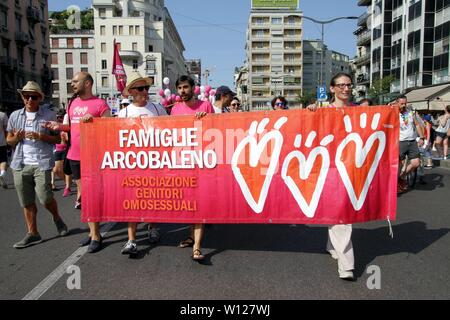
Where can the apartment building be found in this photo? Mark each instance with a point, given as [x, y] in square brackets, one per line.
[194, 67]
[148, 41]
[71, 51]
[408, 39]
[24, 49]
[333, 63]
[274, 53]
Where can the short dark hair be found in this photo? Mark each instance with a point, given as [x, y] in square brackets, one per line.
[282, 99]
[447, 107]
[369, 102]
[339, 75]
[185, 78]
[402, 97]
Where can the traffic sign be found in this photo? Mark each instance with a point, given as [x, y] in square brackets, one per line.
[322, 93]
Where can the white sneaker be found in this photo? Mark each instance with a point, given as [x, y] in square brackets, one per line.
[347, 275]
[130, 247]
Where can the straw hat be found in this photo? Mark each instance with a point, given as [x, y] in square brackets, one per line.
[31, 86]
[132, 79]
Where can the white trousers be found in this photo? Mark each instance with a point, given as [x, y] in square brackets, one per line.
[340, 246]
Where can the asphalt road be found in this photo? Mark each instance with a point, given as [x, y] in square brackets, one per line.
[243, 261]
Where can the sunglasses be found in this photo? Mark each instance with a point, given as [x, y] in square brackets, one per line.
[280, 104]
[343, 85]
[33, 97]
[140, 89]
[235, 104]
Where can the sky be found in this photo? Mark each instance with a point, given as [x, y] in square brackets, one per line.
[214, 31]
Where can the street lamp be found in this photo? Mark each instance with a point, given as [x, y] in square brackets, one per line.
[323, 23]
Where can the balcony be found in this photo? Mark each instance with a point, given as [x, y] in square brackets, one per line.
[33, 15]
[364, 38]
[129, 54]
[363, 78]
[362, 20]
[22, 38]
[364, 3]
[364, 59]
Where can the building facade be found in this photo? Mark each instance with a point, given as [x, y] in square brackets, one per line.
[148, 40]
[333, 63]
[71, 51]
[408, 40]
[241, 85]
[24, 49]
[274, 53]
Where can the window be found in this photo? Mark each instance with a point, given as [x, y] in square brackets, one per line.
[150, 48]
[69, 73]
[69, 42]
[54, 58]
[69, 58]
[55, 74]
[84, 69]
[102, 12]
[104, 81]
[150, 66]
[114, 30]
[137, 30]
[56, 87]
[277, 56]
[69, 88]
[104, 64]
[18, 23]
[103, 47]
[276, 68]
[102, 30]
[3, 19]
[33, 59]
[277, 21]
[55, 43]
[134, 46]
[131, 30]
[135, 65]
[84, 42]
[84, 58]
[120, 30]
[277, 45]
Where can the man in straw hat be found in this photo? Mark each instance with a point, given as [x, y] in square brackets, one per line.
[83, 107]
[138, 87]
[33, 161]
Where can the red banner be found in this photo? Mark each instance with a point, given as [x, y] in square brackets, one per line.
[118, 70]
[332, 166]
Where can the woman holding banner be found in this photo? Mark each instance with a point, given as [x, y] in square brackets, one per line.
[339, 243]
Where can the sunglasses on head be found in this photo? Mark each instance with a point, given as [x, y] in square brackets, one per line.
[33, 97]
[140, 89]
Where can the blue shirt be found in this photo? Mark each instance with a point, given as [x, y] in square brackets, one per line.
[45, 157]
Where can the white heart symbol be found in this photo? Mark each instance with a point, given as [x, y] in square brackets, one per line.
[256, 150]
[360, 158]
[305, 169]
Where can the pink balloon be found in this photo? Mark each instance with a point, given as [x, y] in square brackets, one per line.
[208, 89]
[164, 102]
[212, 92]
[206, 94]
[161, 93]
[197, 90]
[173, 97]
[177, 98]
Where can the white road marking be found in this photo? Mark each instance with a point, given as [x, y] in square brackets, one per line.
[60, 271]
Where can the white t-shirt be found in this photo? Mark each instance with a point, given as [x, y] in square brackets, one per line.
[30, 150]
[150, 110]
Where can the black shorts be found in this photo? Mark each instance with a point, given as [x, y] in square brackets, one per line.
[443, 135]
[60, 155]
[76, 169]
[409, 148]
[3, 154]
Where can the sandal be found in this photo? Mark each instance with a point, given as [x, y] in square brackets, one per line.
[189, 242]
[197, 255]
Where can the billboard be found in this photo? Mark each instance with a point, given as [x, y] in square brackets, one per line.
[274, 4]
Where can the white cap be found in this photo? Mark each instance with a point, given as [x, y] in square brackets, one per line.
[125, 101]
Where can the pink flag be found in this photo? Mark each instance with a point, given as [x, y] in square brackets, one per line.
[118, 70]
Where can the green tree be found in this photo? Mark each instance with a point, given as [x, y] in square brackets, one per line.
[306, 98]
[380, 88]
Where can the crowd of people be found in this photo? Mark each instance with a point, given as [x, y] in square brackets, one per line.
[47, 145]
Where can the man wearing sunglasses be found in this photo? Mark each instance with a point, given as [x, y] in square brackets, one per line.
[82, 109]
[33, 161]
[138, 87]
[223, 99]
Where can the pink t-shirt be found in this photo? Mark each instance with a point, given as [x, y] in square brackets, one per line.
[78, 109]
[182, 108]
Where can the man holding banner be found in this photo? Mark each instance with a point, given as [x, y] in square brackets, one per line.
[138, 87]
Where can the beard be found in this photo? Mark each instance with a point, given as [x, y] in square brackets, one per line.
[187, 97]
